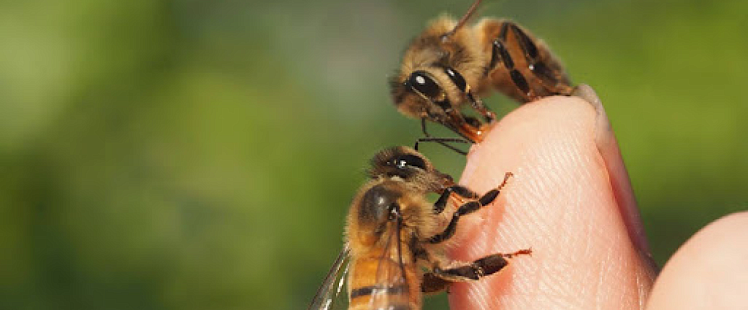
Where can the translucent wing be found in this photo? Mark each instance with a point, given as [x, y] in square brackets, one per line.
[391, 289]
[329, 292]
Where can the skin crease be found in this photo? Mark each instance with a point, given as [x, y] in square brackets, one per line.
[571, 201]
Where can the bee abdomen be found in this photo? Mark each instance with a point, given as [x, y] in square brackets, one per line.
[385, 298]
[391, 306]
[388, 290]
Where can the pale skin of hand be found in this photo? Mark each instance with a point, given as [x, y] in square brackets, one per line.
[570, 200]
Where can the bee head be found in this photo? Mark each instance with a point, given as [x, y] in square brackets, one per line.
[410, 166]
[421, 95]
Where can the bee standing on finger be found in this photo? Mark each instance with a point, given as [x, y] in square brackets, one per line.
[451, 64]
[394, 237]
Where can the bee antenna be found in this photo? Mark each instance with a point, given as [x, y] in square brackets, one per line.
[464, 18]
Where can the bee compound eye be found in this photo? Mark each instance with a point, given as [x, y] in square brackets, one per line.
[456, 78]
[406, 161]
[421, 82]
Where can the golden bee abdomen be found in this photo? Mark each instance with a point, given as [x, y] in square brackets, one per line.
[390, 292]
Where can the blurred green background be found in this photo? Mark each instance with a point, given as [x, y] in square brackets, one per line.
[202, 154]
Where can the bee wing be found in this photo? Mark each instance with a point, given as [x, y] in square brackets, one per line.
[392, 285]
[329, 292]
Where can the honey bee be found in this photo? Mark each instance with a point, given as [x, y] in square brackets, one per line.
[451, 64]
[393, 237]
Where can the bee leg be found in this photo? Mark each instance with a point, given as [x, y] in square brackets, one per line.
[455, 121]
[469, 272]
[550, 75]
[442, 141]
[478, 105]
[500, 55]
[475, 102]
[537, 74]
[467, 208]
[458, 190]
[431, 283]
[466, 128]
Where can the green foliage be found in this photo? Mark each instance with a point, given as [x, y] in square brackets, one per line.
[202, 154]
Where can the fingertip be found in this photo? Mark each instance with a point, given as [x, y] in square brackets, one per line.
[707, 272]
[544, 146]
[607, 145]
[560, 202]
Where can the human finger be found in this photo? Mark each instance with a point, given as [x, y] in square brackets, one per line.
[564, 203]
[708, 271]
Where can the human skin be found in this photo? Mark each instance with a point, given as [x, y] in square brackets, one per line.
[570, 200]
[708, 271]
